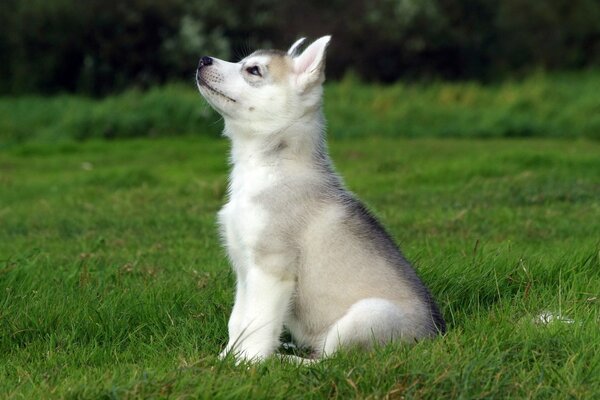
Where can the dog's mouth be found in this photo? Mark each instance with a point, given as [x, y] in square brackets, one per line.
[204, 83]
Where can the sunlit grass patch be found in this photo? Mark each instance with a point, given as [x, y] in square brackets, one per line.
[113, 282]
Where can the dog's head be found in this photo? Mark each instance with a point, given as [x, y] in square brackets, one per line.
[267, 90]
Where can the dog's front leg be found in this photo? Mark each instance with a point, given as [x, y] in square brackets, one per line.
[237, 316]
[266, 300]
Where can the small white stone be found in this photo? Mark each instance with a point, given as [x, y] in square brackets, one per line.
[547, 317]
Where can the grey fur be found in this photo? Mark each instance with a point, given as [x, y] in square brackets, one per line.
[292, 205]
[307, 253]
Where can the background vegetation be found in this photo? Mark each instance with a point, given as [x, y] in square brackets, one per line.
[481, 158]
[565, 105]
[99, 46]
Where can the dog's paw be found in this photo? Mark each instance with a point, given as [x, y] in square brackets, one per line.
[246, 351]
[229, 352]
[223, 354]
[250, 357]
[242, 356]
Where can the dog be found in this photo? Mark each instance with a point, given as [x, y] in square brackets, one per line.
[307, 254]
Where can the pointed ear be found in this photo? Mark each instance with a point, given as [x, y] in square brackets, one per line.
[309, 66]
[294, 48]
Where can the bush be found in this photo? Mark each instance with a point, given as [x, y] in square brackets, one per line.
[101, 46]
[555, 105]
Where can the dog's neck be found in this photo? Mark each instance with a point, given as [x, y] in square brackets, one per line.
[298, 151]
[297, 142]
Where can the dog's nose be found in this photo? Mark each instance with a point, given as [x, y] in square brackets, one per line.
[204, 61]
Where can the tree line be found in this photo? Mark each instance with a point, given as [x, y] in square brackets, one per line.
[97, 47]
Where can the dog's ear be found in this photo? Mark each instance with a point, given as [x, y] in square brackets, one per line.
[294, 48]
[309, 67]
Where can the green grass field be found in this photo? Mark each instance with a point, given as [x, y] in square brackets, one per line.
[543, 105]
[113, 283]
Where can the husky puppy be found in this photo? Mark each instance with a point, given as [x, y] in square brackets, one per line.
[307, 254]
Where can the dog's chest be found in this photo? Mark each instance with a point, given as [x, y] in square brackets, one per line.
[244, 218]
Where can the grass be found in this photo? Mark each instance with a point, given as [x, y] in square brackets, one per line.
[113, 283]
[543, 105]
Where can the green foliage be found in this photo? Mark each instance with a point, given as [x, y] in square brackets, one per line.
[98, 47]
[165, 111]
[114, 285]
[555, 105]
[542, 105]
[555, 33]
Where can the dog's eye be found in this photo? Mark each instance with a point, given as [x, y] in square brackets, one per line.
[254, 71]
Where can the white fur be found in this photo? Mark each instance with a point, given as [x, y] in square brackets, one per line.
[261, 296]
[292, 232]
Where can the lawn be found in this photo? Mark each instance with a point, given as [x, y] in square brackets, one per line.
[555, 105]
[113, 283]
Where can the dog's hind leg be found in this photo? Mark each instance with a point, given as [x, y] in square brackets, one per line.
[370, 321]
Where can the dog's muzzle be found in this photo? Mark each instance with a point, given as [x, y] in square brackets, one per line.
[207, 77]
[204, 61]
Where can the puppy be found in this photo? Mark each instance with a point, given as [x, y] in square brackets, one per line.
[307, 254]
